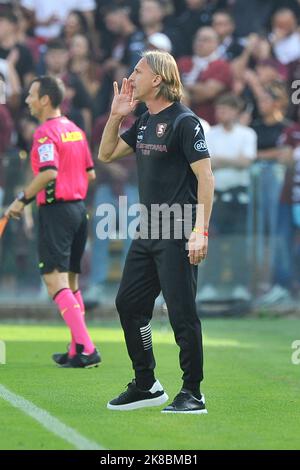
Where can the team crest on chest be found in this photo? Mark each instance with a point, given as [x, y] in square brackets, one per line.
[161, 129]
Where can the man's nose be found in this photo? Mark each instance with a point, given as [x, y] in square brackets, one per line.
[131, 77]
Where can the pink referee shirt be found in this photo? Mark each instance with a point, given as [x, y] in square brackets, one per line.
[59, 144]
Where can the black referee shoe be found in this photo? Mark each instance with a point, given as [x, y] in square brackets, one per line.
[185, 402]
[134, 398]
[81, 360]
[61, 358]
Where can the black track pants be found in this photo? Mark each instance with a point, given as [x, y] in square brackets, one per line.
[152, 266]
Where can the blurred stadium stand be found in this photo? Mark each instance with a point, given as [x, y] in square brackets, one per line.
[232, 60]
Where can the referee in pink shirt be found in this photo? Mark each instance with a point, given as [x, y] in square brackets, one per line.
[62, 167]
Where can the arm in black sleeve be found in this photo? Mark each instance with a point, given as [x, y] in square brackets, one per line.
[191, 139]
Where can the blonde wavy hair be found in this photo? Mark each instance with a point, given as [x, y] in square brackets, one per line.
[164, 65]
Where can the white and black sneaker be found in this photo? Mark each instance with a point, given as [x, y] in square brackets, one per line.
[185, 402]
[134, 398]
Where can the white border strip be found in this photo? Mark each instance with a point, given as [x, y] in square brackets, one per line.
[49, 422]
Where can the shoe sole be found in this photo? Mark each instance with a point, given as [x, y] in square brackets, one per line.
[161, 400]
[90, 366]
[195, 412]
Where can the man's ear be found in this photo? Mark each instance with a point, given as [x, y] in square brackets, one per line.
[157, 80]
[45, 100]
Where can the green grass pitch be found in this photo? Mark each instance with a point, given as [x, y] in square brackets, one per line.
[252, 389]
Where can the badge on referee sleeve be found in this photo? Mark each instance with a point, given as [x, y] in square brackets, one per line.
[46, 153]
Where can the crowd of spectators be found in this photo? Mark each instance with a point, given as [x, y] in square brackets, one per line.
[240, 66]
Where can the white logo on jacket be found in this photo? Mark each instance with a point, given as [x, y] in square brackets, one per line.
[197, 129]
[200, 145]
[140, 135]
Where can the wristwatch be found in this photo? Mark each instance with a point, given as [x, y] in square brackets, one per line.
[22, 198]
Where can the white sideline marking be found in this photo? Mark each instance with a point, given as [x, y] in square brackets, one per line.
[49, 422]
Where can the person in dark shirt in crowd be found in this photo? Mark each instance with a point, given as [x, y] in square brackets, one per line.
[83, 64]
[9, 42]
[285, 271]
[268, 171]
[230, 47]
[152, 20]
[102, 6]
[76, 104]
[254, 16]
[250, 17]
[76, 23]
[121, 45]
[254, 81]
[18, 265]
[197, 13]
[126, 42]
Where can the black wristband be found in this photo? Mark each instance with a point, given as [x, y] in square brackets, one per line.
[22, 198]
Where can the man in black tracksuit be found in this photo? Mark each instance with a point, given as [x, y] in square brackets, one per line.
[176, 191]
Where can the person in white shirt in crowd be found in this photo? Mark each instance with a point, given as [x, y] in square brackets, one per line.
[233, 148]
[285, 36]
[48, 17]
[152, 19]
